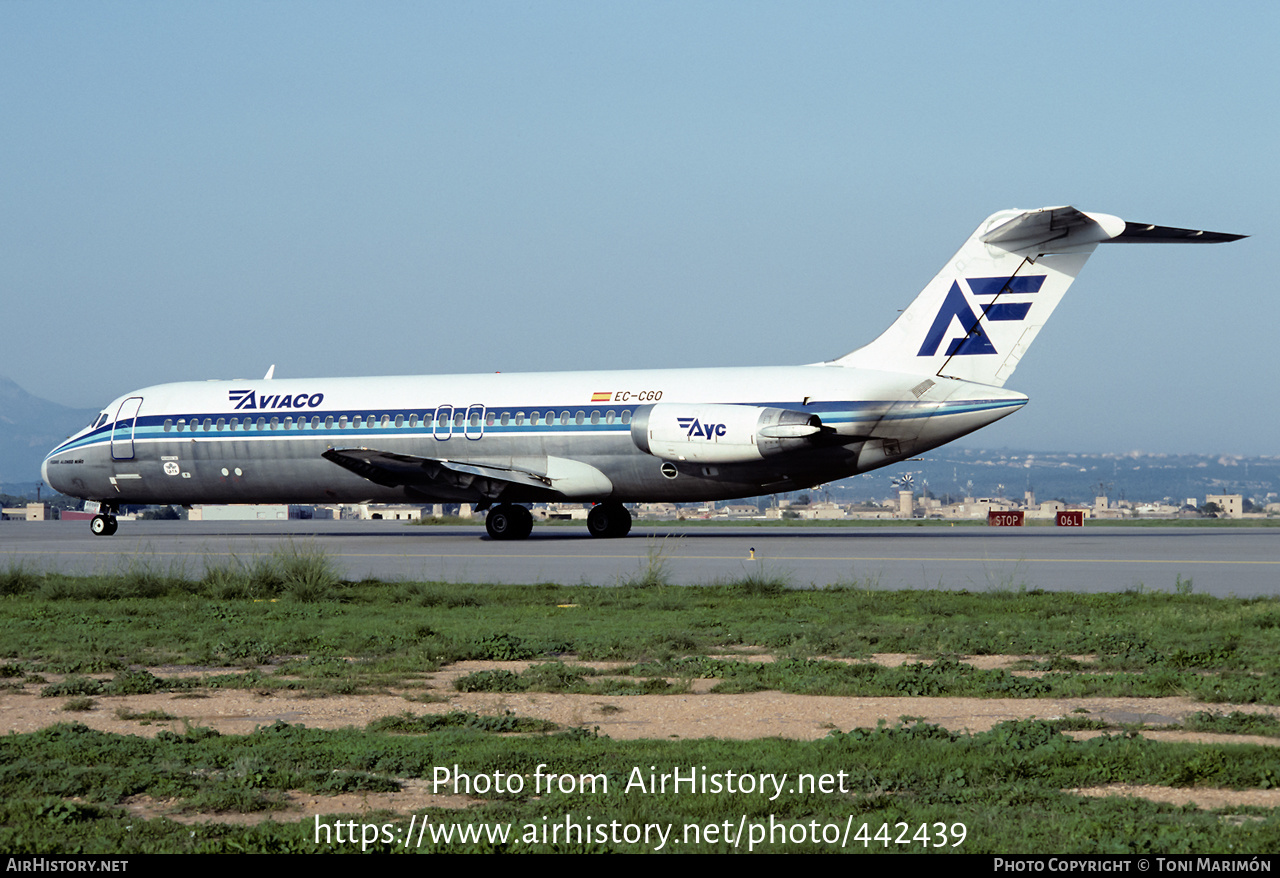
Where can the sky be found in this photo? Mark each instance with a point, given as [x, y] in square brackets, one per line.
[201, 190]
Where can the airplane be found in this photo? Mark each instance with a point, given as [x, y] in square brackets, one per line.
[609, 438]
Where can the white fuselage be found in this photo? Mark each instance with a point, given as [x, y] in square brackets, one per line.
[675, 435]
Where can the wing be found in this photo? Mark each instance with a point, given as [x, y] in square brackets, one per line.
[549, 478]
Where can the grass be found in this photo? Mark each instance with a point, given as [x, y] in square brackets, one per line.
[331, 636]
[62, 786]
[289, 622]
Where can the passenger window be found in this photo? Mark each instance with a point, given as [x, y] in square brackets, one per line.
[475, 419]
[595, 417]
[626, 416]
[386, 421]
[262, 423]
[275, 422]
[488, 419]
[506, 418]
[182, 424]
[533, 418]
[399, 420]
[608, 416]
[221, 423]
[168, 424]
[459, 419]
[235, 422]
[519, 419]
[427, 419]
[328, 422]
[564, 418]
[413, 420]
[208, 423]
[580, 417]
[288, 423]
[315, 422]
[342, 422]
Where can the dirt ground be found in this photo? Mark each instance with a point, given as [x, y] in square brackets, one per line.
[697, 714]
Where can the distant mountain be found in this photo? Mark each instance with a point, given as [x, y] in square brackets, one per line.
[29, 428]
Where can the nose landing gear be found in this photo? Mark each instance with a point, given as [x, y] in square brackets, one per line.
[104, 523]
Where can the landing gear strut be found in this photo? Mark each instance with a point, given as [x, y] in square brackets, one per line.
[609, 520]
[104, 523]
[507, 521]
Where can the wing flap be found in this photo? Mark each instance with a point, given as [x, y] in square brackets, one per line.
[548, 478]
[394, 470]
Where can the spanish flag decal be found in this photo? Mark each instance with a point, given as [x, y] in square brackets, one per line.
[602, 397]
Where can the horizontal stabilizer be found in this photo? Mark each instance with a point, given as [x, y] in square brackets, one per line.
[1142, 233]
[1052, 230]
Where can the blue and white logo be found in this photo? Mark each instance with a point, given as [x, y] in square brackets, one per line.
[697, 430]
[956, 305]
[247, 399]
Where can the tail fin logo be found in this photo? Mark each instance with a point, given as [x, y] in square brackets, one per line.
[956, 306]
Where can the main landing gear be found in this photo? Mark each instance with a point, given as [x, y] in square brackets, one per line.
[104, 523]
[609, 520]
[507, 521]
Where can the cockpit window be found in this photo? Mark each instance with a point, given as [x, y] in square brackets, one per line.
[102, 419]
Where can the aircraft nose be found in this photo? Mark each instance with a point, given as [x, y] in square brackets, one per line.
[44, 474]
[55, 475]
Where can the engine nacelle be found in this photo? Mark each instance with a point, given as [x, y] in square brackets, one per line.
[716, 433]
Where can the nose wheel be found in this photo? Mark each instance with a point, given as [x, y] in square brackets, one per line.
[103, 525]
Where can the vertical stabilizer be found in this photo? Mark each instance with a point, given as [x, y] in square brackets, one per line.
[977, 317]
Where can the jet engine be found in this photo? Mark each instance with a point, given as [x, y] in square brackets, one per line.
[717, 433]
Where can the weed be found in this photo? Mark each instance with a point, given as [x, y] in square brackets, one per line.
[410, 723]
[1234, 723]
[299, 570]
[146, 718]
[20, 577]
[655, 570]
[760, 580]
[80, 704]
[503, 648]
[73, 685]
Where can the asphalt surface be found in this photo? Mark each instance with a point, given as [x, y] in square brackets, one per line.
[1217, 561]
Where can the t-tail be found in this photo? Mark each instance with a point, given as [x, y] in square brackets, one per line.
[977, 317]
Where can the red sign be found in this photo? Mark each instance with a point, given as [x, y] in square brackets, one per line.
[1005, 519]
[1070, 518]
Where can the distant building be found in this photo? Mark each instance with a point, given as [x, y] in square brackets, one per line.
[30, 512]
[1232, 505]
[906, 504]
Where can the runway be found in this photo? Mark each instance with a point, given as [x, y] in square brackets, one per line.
[1219, 561]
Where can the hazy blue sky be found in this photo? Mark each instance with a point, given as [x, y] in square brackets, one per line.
[199, 190]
